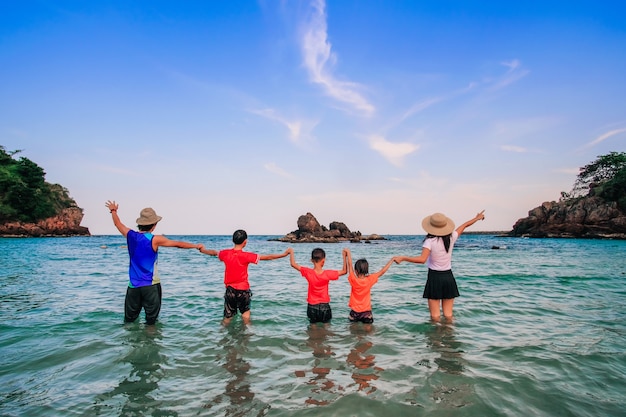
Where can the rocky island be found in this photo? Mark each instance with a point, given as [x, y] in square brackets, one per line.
[594, 209]
[32, 207]
[310, 230]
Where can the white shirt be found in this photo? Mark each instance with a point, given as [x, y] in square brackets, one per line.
[439, 259]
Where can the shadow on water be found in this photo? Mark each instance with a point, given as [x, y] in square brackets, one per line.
[321, 384]
[448, 387]
[441, 339]
[237, 391]
[134, 395]
[365, 369]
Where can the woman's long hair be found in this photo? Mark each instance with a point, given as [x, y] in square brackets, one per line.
[446, 240]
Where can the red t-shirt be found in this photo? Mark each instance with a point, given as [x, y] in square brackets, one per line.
[236, 267]
[360, 295]
[318, 284]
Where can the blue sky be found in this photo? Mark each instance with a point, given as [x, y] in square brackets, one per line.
[247, 114]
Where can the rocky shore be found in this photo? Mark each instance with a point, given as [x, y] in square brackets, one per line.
[66, 223]
[590, 217]
[311, 231]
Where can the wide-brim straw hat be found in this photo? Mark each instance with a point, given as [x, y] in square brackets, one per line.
[438, 224]
[147, 217]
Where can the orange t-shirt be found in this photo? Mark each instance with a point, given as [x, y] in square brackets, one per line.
[360, 295]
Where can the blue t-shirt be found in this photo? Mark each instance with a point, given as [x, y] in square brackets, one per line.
[143, 260]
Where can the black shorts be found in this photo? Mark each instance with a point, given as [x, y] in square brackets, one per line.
[440, 285]
[319, 313]
[148, 297]
[363, 317]
[236, 300]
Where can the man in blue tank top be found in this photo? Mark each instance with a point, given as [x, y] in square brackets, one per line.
[144, 288]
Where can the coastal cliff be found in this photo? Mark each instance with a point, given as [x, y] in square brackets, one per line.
[30, 206]
[310, 230]
[588, 217]
[66, 223]
[594, 209]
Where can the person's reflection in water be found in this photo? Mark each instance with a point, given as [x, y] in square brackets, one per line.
[364, 364]
[146, 361]
[441, 339]
[318, 341]
[449, 390]
[237, 389]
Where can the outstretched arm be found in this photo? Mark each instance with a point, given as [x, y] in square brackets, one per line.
[292, 259]
[344, 255]
[348, 259]
[160, 240]
[479, 216]
[113, 206]
[211, 252]
[274, 256]
[385, 268]
[414, 259]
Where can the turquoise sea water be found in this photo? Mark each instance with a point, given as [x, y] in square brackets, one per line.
[539, 329]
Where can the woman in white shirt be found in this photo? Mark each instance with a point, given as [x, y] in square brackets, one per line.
[441, 288]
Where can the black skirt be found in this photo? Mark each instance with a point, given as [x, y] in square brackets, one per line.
[440, 285]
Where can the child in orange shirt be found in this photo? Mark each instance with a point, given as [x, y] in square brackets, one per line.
[361, 282]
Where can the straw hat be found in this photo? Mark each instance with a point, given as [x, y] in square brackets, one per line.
[147, 217]
[438, 224]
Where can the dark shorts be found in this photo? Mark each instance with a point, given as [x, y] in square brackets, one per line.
[147, 297]
[440, 285]
[319, 313]
[236, 300]
[363, 317]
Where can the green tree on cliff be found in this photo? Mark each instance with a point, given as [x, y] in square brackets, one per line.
[24, 193]
[605, 177]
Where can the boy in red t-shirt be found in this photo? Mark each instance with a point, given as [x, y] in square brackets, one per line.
[318, 308]
[236, 261]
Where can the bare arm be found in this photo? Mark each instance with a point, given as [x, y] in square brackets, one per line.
[274, 256]
[348, 259]
[292, 259]
[385, 268]
[207, 251]
[344, 271]
[113, 206]
[160, 240]
[479, 216]
[414, 259]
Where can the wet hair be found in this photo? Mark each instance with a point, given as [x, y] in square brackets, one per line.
[318, 254]
[446, 240]
[361, 267]
[145, 227]
[239, 236]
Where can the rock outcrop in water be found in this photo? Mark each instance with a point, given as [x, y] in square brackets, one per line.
[588, 217]
[310, 230]
[66, 223]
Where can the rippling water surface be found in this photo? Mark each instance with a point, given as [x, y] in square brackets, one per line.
[540, 329]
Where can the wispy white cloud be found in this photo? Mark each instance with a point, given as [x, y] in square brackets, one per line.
[514, 73]
[319, 61]
[299, 130]
[605, 136]
[275, 169]
[431, 101]
[392, 152]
